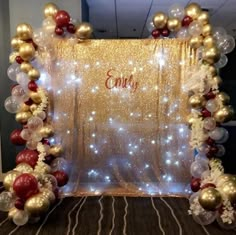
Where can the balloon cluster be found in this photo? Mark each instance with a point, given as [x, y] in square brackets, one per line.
[32, 187]
[215, 192]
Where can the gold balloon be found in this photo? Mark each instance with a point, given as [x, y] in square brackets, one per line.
[24, 107]
[173, 24]
[48, 194]
[24, 31]
[224, 114]
[193, 10]
[33, 107]
[10, 178]
[12, 212]
[212, 70]
[33, 74]
[160, 20]
[46, 131]
[55, 150]
[209, 41]
[224, 178]
[190, 120]
[211, 55]
[210, 199]
[206, 30]
[203, 17]
[24, 168]
[217, 80]
[16, 43]
[23, 117]
[84, 31]
[197, 101]
[229, 190]
[25, 67]
[12, 56]
[37, 205]
[50, 9]
[35, 97]
[223, 97]
[195, 41]
[27, 51]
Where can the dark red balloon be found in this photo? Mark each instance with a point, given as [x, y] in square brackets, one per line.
[71, 28]
[208, 185]
[59, 31]
[205, 113]
[16, 138]
[213, 150]
[210, 95]
[45, 141]
[19, 60]
[49, 159]
[165, 32]
[32, 86]
[195, 184]
[62, 178]
[210, 141]
[156, 33]
[19, 204]
[62, 18]
[25, 186]
[27, 156]
[186, 21]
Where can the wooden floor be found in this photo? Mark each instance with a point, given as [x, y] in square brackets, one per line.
[115, 216]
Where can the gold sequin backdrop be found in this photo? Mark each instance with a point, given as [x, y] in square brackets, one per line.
[119, 111]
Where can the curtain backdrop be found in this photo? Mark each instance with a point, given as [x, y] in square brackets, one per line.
[119, 111]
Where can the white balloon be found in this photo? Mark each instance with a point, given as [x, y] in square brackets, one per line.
[225, 44]
[23, 80]
[12, 104]
[221, 150]
[218, 32]
[41, 37]
[195, 28]
[193, 196]
[26, 134]
[198, 167]
[222, 61]
[12, 71]
[20, 218]
[176, 11]
[31, 144]
[34, 123]
[49, 25]
[205, 174]
[60, 164]
[183, 33]
[209, 123]
[217, 133]
[212, 105]
[203, 149]
[205, 217]
[6, 201]
[17, 91]
[224, 138]
[150, 26]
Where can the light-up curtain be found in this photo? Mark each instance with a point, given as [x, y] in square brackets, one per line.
[119, 110]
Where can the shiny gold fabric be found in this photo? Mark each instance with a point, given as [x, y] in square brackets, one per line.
[119, 111]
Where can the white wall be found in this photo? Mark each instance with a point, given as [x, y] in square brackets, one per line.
[31, 11]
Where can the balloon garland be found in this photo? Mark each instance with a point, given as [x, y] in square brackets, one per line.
[214, 196]
[32, 187]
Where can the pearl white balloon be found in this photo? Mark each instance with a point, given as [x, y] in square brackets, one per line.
[195, 28]
[218, 32]
[42, 115]
[226, 44]
[176, 11]
[31, 144]
[217, 133]
[212, 105]
[17, 91]
[203, 149]
[205, 217]
[23, 80]
[209, 123]
[198, 167]
[26, 134]
[224, 138]
[221, 150]
[183, 33]
[12, 71]
[12, 104]
[20, 218]
[200, 156]
[193, 196]
[49, 25]
[6, 201]
[34, 123]
[222, 62]
[149, 25]
[41, 37]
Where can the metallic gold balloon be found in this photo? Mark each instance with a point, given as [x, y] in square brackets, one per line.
[84, 31]
[203, 17]
[24, 168]
[23, 117]
[12, 56]
[24, 107]
[229, 190]
[12, 212]
[24, 31]
[211, 55]
[160, 20]
[35, 97]
[209, 41]
[55, 150]
[27, 51]
[193, 10]
[197, 101]
[10, 178]
[25, 67]
[50, 9]
[37, 205]
[173, 24]
[48, 194]
[195, 41]
[206, 30]
[33, 107]
[217, 80]
[33, 74]
[212, 70]
[223, 97]
[190, 120]
[224, 114]
[46, 131]
[210, 199]
[16, 43]
[224, 178]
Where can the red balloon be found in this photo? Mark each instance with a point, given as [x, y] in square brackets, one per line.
[206, 113]
[19, 204]
[32, 86]
[156, 33]
[186, 21]
[195, 184]
[59, 31]
[62, 18]
[210, 95]
[16, 138]
[209, 185]
[27, 156]
[71, 28]
[25, 186]
[19, 60]
[210, 141]
[62, 177]
[29, 102]
[165, 32]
